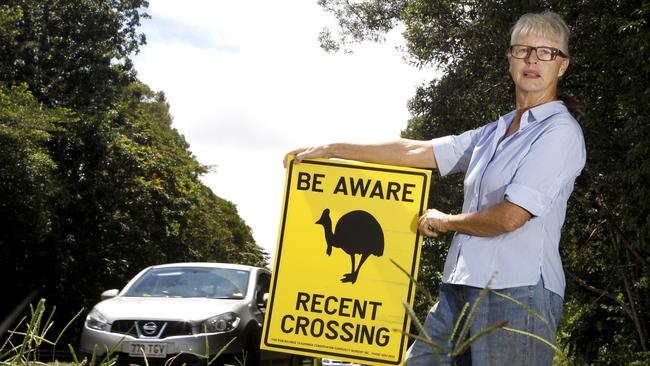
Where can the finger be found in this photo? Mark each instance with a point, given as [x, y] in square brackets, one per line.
[420, 220]
[294, 153]
[431, 228]
[428, 231]
[290, 158]
[422, 228]
[300, 156]
[306, 153]
[425, 229]
[428, 224]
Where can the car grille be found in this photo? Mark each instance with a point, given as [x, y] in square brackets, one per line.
[151, 328]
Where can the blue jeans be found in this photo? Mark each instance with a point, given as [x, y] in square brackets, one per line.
[500, 347]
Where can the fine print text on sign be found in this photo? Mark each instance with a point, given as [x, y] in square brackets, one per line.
[335, 292]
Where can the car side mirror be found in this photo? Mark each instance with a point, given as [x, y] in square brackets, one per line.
[108, 294]
[263, 301]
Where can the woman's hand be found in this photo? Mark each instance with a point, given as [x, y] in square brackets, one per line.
[313, 152]
[433, 222]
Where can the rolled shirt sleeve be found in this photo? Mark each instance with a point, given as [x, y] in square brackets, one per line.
[555, 158]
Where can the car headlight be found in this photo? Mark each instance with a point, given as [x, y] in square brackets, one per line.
[221, 323]
[95, 320]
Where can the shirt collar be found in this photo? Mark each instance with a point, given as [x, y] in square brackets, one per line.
[538, 113]
[544, 111]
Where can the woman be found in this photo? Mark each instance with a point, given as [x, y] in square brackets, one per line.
[519, 174]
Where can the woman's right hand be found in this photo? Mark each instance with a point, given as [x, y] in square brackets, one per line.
[303, 153]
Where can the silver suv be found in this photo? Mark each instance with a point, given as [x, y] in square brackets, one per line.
[184, 311]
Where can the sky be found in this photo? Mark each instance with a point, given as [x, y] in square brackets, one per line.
[247, 82]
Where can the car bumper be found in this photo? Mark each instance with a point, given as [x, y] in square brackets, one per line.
[199, 344]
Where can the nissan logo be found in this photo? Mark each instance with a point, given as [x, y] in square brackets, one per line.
[150, 328]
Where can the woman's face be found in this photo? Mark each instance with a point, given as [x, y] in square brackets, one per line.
[535, 78]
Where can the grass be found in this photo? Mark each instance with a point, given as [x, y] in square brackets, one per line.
[22, 347]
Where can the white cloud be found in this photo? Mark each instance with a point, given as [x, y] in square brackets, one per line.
[247, 82]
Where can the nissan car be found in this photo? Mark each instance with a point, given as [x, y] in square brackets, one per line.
[186, 312]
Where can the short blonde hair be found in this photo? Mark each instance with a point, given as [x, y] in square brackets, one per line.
[546, 25]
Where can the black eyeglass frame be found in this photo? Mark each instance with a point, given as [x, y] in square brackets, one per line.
[554, 52]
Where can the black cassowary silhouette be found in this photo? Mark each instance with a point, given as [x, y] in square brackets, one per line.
[357, 232]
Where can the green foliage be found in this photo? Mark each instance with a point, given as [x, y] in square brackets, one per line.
[604, 243]
[95, 182]
[219, 234]
[28, 185]
[25, 349]
[359, 21]
[70, 53]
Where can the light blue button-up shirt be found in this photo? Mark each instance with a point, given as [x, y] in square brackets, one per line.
[534, 168]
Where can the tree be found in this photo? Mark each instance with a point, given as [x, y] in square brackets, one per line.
[96, 183]
[608, 222]
[28, 184]
[134, 199]
[71, 53]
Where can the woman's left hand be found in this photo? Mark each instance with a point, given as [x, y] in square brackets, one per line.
[433, 222]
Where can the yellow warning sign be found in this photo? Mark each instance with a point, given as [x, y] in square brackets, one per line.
[335, 292]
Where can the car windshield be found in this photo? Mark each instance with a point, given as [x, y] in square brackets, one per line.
[215, 283]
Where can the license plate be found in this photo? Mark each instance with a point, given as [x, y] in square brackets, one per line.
[147, 349]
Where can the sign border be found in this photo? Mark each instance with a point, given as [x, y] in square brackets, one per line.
[276, 266]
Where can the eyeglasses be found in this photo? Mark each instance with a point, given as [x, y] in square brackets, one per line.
[543, 53]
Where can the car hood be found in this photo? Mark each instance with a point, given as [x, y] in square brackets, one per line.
[165, 308]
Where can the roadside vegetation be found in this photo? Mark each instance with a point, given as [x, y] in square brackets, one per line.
[96, 183]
